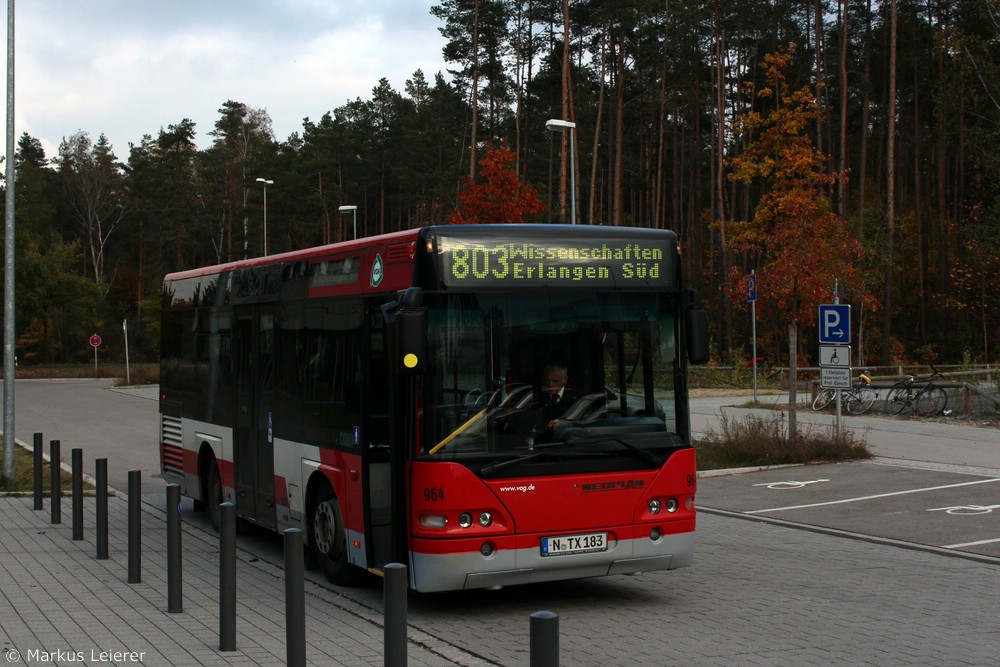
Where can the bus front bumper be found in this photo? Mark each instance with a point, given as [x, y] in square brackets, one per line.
[433, 572]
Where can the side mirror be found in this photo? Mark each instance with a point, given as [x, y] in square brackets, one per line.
[696, 329]
[408, 318]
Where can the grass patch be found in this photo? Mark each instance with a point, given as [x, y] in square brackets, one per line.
[764, 441]
[758, 405]
[24, 475]
[134, 374]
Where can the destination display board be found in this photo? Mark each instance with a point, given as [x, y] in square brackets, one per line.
[569, 257]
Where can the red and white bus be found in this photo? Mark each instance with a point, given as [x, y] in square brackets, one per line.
[383, 395]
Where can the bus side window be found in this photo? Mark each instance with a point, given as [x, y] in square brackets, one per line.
[318, 344]
[328, 372]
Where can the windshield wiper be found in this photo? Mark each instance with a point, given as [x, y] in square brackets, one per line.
[644, 454]
[521, 458]
[548, 448]
[649, 457]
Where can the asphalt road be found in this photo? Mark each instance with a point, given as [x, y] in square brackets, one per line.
[892, 561]
[93, 415]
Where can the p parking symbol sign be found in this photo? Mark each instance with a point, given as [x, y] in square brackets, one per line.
[834, 324]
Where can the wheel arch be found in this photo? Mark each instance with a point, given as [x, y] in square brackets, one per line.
[206, 454]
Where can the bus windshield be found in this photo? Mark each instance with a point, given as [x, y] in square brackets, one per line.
[549, 382]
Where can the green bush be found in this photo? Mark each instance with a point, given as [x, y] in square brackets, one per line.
[764, 441]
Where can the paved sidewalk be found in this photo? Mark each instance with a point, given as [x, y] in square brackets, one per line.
[59, 605]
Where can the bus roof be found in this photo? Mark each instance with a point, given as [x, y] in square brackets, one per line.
[305, 253]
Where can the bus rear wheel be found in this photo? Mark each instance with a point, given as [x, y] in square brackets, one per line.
[329, 540]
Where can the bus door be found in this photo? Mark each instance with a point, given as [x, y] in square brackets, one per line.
[395, 327]
[253, 355]
[376, 446]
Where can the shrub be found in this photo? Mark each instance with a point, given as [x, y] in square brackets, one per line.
[764, 441]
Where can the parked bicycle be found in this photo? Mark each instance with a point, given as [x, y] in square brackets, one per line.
[861, 397]
[858, 399]
[927, 399]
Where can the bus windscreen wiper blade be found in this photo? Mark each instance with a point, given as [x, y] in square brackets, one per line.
[521, 458]
[644, 454]
[569, 449]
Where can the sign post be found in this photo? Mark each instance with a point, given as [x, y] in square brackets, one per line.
[835, 348]
[95, 342]
[752, 298]
[128, 372]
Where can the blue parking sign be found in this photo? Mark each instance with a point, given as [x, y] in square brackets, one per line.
[834, 324]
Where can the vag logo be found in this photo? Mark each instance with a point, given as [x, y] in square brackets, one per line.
[621, 485]
[377, 271]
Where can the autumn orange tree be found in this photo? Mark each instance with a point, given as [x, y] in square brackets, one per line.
[798, 243]
[500, 197]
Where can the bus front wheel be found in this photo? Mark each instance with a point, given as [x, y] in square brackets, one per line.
[329, 540]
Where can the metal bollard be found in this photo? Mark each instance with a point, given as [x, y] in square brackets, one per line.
[295, 599]
[55, 483]
[102, 508]
[394, 593]
[36, 450]
[175, 601]
[134, 526]
[227, 577]
[76, 455]
[544, 630]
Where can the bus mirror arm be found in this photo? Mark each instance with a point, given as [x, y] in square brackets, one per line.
[696, 331]
[411, 298]
[408, 318]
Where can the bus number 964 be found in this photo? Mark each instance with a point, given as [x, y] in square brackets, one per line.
[433, 495]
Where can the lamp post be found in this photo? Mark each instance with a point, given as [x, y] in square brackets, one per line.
[265, 182]
[9, 334]
[354, 210]
[557, 125]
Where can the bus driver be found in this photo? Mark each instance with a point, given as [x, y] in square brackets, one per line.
[556, 396]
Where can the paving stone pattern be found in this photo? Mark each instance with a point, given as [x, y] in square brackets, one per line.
[61, 606]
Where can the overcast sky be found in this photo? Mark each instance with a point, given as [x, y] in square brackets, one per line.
[126, 68]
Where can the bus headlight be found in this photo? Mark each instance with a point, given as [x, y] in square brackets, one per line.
[672, 505]
[485, 519]
[433, 520]
[655, 506]
[464, 519]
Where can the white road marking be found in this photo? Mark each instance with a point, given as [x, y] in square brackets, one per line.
[780, 486]
[966, 509]
[873, 497]
[970, 544]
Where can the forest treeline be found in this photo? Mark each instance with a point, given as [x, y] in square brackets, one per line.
[680, 121]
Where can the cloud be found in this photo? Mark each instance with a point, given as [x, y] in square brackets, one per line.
[128, 68]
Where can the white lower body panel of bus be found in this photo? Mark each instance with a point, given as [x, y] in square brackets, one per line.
[510, 567]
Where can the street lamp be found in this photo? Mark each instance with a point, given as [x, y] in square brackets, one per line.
[557, 125]
[354, 210]
[265, 182]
